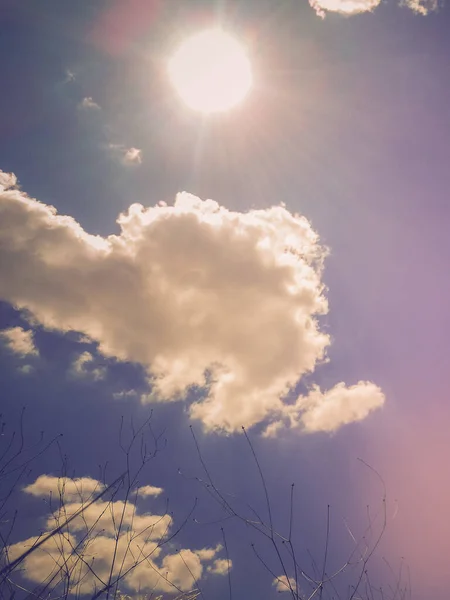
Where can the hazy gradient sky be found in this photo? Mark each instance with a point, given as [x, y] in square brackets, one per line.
[346, 134]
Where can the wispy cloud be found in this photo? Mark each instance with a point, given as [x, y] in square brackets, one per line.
[84, 366]
[89, 104]
[127, 156]
[124, 394]
[132, 156]
[155, 293]
[70, 76]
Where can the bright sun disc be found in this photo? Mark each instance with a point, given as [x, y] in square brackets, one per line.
[211, 71]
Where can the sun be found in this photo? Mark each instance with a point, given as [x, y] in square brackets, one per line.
[211, 71]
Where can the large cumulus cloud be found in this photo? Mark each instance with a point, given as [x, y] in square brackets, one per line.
[190, 291]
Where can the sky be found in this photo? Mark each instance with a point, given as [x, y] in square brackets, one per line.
[280, 266]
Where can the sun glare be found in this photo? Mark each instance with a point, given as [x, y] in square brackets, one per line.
[211, 71]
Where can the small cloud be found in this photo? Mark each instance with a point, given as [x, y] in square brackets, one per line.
[330, 410]
[132, 156]
[354, 7]
[421, 7]
[26, 369]
[70, 76]
[88, 104]
[84, 339]
[221, 566]
[283, 584]
[344, 7]
[7, 181]
[340, 406]
[124, 394]
[19, 341]
[71, 489]
[82, 367]
[209, 553]
[127, 156]
[149, 490]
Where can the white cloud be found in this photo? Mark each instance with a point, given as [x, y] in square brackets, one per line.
[220, 566]
[127, 156]
[83, 367]
[80, 488]
[209, 553]
[282, 583]
[97, 551]
[132, 156]
[344, 7]
[19, 341]
[149, 490]
[89, 104]
[185, 567]
[187, 290]
[7, 180]
[94, 535]
[354, 7]
[124, 394]
[421, 7]
[104, 516]
[330, 410]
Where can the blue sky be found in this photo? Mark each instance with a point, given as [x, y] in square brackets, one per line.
[317, 274]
